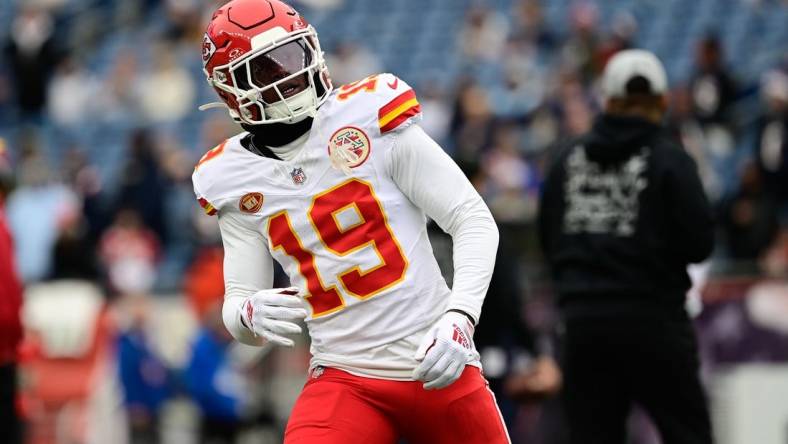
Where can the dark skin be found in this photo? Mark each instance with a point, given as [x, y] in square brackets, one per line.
[276, 65]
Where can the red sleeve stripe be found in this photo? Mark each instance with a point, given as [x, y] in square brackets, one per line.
[209, 209]
[394, 104]
[397, 121]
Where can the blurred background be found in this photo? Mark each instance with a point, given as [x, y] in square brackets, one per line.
[121, 270]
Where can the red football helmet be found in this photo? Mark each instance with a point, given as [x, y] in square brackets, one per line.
[265, 62]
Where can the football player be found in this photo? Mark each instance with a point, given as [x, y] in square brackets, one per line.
[336, 185]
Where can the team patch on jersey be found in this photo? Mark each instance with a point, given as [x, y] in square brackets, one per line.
[207, 207]
[251, 202]
[350, 144]
[394, 113]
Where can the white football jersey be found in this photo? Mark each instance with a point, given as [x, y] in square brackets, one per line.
[351, 240]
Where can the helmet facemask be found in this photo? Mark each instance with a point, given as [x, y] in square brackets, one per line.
[283, 81]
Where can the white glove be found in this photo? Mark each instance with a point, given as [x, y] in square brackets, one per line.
[444, 351]
[269, 314]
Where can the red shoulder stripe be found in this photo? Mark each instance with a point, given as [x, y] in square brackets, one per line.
[410, 112]
[399, 100]
[209, 209]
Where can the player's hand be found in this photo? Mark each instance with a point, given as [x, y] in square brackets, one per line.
[444, 351]
[270, 314]
[542, 380]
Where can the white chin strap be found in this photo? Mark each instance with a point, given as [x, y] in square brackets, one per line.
[300, 106]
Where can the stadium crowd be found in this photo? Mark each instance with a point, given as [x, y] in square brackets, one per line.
[98, 122]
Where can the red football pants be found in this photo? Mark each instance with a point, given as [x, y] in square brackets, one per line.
[336, 407]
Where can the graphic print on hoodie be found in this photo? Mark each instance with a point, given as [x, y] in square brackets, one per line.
[603, 199]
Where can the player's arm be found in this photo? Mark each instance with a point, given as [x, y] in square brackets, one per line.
[432, 181]
[253, 312]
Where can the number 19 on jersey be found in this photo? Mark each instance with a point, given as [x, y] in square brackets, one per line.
[372, 230]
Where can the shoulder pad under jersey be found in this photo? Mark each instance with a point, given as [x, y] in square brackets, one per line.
[393, 101]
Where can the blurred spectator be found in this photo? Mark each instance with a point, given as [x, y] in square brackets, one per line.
[775, 260]
[71, 94]
[437, 114]
[67, 352]
[221, 375]
[129, 252]
[177, 167]
[127, 15]
[216, 385]
[84, 178]
[512, 184]
[523, 85]
[10, 322]
[34, 209]
[771, 146]
[682, 122]
[351, 62]
[119, 101]
[541, 131]
[7, 108]
[750, 218]
[144, 377]
[203, 282]
[579, 50]
[167, 92]
[528, 25]
[471, 124]
[483, 34]
[712, 85]
[32, 56]
[622, 36]
[218, 373]
[575, 106]
[143, 183]
[622, 215]
[184, 19]
[74, 253]
[321, 4]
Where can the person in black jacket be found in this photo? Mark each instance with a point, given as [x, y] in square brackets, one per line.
[622, 214]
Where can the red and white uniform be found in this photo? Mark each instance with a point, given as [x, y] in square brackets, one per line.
[339, 408]
[355, 240]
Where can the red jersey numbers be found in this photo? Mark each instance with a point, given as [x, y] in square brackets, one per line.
[211, 154]
[371, 230]
[323, 300]
[368, 84]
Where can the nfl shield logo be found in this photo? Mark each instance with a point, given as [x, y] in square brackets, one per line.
[298, 175]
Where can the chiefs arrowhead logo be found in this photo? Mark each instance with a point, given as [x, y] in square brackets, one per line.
[251, 203]
[208, 48]
[352, 140]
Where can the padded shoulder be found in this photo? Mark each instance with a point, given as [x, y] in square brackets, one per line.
[392, 99]
[208, 173]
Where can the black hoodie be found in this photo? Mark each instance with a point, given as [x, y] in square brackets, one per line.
[622, 214]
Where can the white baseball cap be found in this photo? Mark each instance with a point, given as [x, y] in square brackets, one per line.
[629, 64]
